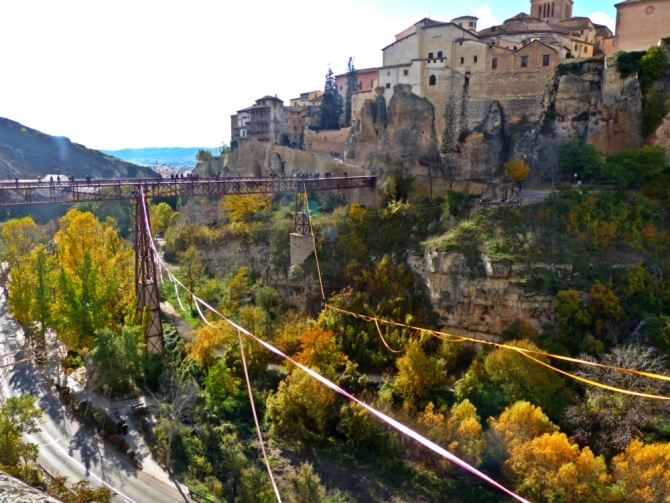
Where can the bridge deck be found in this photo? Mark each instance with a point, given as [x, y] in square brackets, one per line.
[16, 193]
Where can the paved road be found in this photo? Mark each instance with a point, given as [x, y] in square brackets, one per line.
[66, 448]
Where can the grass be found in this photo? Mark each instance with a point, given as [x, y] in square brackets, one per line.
[168, 294]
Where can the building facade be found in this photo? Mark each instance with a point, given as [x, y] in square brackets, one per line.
[641, 24]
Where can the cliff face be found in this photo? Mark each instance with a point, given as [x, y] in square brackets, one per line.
[28, 153]
[483, 306]
[14, 491]
[485, 122]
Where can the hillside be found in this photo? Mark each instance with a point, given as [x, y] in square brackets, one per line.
[28, 153]
[169, 156]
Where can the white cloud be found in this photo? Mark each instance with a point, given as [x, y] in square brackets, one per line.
[486, 17]
[603, 18]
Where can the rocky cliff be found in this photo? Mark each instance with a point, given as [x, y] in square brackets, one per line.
[482, 304]
[28, 153]
[485, 122]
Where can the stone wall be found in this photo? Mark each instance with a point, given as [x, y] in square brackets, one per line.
[326, 142]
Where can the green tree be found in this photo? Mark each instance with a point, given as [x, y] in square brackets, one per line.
[43, 296]
[419, 377]
[331, 105]
[352, 86]
[19, 416]
[517, 170]
[304, 486]
[584, 160]
[203, 155]
[191, 269]
[652, 66]
[632, 168]
[161, 215]
[222, 388]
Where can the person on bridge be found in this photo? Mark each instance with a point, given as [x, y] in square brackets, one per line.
[88, 179]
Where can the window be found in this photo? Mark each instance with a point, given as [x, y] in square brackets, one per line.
[460, 24]
[340, 88]
[439, 54]
[405, 72]
[432, 80]
[430, 55]
[475, 59]
[471, 24]
[372, 83]
[462, 60]
[545, 60]
[586, 49]
[524, 61]
[493, 28]
[494, 63]
[388, 85]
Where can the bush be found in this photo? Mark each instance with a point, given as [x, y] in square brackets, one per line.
[628, 62]
[582, 159]
[634, 167]
[652, 66]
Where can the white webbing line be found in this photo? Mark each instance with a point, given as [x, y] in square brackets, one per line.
[389, 420]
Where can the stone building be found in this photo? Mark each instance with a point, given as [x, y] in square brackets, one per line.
[266, 120]
[641, 24]
[293, 126]
[311, 98]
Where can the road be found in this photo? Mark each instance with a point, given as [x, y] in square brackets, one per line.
[66, 448]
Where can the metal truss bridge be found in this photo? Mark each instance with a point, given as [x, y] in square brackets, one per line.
[22, 192]
[26, 192]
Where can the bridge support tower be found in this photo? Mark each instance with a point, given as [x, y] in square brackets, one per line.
[145, 280]
[302, 243]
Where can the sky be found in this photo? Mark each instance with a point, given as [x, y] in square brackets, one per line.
[113, 74]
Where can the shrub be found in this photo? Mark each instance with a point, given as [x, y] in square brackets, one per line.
[627, 62]
[652, 66]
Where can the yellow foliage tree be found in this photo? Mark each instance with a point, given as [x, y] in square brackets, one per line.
[644, 472]
[459, 430]
[551, 468]
[418, 376]
[241, 210]
[207, 340]
[517, 170]
[319, 350]
[161, 216]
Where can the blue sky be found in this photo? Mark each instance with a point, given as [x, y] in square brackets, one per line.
[118, 74]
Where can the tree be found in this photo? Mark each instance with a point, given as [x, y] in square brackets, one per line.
[331, 105]
[551, 468]
[517, 424]
[319, 350]
[517, 170]
[634, 167]
[207, 339]
[191, 269]
[222, 388]
[644, 472]
[300, 408]
[458, 430]
[79, 492]
[43, 298]
[419, 376]
[115, 360]
[513, 371]
[19, 416]
[203, 155]
[304, 486]
[352, 86]
[582, 159]
[612, 420]
[161, 215]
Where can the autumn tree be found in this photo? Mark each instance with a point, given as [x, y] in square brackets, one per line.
[551, 468]
[242, 211]
[419, 376]
[43, 296]
[458, 430]
[79, 492]
[207, 340]
[319, 350]
[517, 424]
[643, 471]
[517, 170]
[612, 420]
[161, 216]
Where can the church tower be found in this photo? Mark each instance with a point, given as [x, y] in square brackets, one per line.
[555, 10]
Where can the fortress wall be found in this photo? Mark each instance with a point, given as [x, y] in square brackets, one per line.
[326, 142]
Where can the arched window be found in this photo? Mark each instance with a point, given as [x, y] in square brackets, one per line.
[432, 80]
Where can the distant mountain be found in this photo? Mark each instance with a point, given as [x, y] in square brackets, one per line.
[28, 153]
[168, 156]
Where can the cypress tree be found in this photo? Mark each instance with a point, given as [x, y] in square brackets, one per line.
[352, 85]
[331, 106]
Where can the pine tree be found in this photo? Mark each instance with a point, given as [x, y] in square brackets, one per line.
[352, 85]
[331, 106]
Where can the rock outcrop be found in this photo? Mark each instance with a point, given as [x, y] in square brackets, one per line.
[28, 153]
[14, 491]
[484, 304]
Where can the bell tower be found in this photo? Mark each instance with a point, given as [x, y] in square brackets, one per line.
[555, 10]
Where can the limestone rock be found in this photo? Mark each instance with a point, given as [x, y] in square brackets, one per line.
[483, 305]
[14, 491]
[661, 137]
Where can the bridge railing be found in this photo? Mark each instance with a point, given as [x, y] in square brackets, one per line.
[14, 193]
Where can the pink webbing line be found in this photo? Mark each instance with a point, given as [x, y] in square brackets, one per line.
[176, 290]
[389, 420]
[244, 362]
[253, 409]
